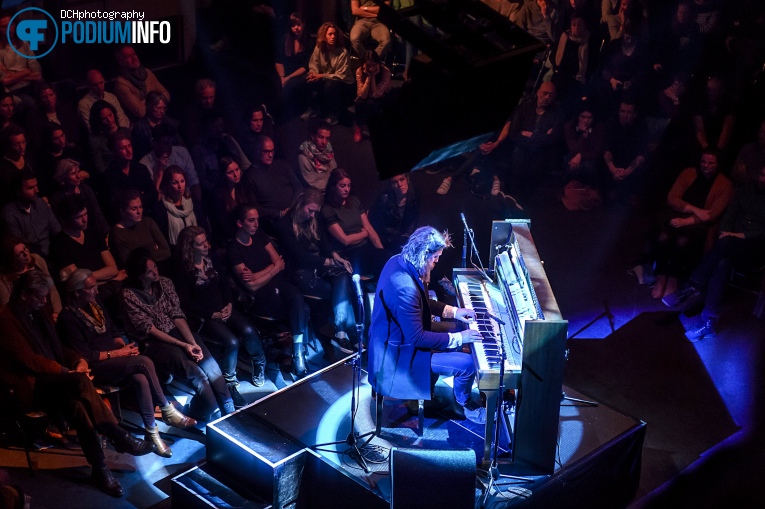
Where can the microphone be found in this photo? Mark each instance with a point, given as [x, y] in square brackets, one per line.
[464, 221]
[357, 285]
[464, 240]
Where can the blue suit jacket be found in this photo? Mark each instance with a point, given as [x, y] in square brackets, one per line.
[401, 341]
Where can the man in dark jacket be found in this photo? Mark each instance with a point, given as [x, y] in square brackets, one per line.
[403, 350]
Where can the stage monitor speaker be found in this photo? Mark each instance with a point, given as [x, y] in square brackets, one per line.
[432, 478]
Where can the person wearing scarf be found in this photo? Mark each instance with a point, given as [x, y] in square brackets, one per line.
[316, 158]
[134, 82]
[571, 56]
[178, 210]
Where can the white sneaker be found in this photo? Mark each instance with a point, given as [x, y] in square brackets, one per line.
[307, 114]
[445, 186]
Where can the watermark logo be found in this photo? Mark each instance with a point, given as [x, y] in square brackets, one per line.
[32, 31]
[88, 27]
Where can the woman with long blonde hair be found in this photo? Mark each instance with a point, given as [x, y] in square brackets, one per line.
[314, 267]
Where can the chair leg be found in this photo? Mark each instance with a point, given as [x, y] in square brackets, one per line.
[378, 413]
[420, 417]
[26, 447]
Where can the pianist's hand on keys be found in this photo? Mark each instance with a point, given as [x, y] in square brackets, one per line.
[464, 314]
[470, 335]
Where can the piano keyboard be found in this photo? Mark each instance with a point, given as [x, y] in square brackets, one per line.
[477, 295]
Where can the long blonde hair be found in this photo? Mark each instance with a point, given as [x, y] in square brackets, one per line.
[311, 231]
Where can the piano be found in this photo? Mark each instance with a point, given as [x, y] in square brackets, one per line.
[534, 338]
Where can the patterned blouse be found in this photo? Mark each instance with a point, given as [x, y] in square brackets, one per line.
[143, 310]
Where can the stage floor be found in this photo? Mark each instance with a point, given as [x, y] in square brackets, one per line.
[316, 411]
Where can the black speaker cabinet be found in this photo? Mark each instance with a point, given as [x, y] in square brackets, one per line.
[422, 479]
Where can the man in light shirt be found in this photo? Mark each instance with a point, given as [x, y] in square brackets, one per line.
[96, 92]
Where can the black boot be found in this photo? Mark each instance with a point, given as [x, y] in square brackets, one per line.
[299, 367]
[258, 372]
[125, 442]
[104, 480]
[239, 401]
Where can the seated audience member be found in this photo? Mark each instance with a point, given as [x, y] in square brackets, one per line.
[696, 201]
[372, 84]
[367, 25]
[315, 268]
[55, 149]
[329, 75]
[68, 179]
[20, 68]
[126, 173]
[668, 99]
[396, 212]
[713, 119]
[623, 65]
[15, 260]
[205, 295]
[741, 242]
[584, 148]
[193, 125]
[292, 64]
[625, 152]
[29, 216]
[316, 158]
[540, 19]
[7, 110]
[571, 56]
[15, 158]
[97, 92]
[407, 349]
[135, 231]
[535, 129]
[258, 123]
[104, 123]
[86, 327]
[231, 192]
[77, 247]
[616, 14]
[751, 158]
[46, 376]
[272, 183]
[350, 232]
[156, 115]
[153, 314]
[259, 271]
[213, 145]
[51, 110]
[166, 152]
[176, 209]
[677, 45]
[133, 82]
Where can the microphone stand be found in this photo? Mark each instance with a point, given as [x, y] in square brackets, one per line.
[493, 471]
[356, 450]
[473, 249]
[464, 245]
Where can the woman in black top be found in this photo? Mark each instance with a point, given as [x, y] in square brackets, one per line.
[205, 294]
[292, 64]
[88, 329]
[314, 267]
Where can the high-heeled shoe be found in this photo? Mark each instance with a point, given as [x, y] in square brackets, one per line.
[172, 417]
[152, 434]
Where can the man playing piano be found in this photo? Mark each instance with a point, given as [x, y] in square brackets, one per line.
[404, 348]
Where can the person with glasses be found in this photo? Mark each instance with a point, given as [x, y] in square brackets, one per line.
[272, 182]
